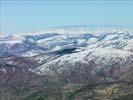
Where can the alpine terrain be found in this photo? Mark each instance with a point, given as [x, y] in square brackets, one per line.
[67, 65]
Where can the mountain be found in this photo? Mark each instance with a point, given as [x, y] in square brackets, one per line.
[67, 65]
[34, 44]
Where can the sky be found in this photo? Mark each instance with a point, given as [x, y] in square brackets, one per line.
[30, 15]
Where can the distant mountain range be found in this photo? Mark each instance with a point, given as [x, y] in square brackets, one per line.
[77, 57]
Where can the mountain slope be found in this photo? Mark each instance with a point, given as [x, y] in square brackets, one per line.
[56, 66]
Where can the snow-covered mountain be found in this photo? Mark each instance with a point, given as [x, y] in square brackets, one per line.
[34, 44]
[66, 52]
[64, 59]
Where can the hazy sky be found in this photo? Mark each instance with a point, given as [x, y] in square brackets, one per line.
[31, 15]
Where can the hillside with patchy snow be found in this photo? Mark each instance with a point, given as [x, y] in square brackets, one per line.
[67, 65]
